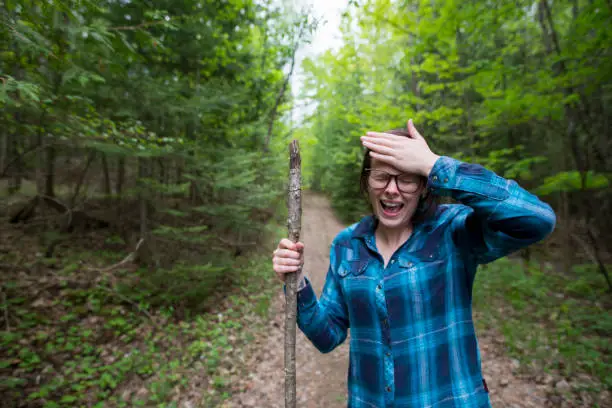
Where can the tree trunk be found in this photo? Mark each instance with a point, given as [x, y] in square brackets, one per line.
[120, 176]
[81, 180]
[4, 151]
[294, 228]
[49, 179]
[17, 168]
[144, 254]
[179, 171]
[106, 184]
[40, 162]
[281, 93]
[142, 197]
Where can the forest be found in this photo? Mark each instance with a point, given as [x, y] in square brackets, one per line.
[143, 177]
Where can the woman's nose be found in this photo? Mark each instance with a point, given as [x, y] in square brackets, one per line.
[392, 186]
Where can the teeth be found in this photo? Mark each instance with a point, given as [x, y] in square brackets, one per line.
[391, 204]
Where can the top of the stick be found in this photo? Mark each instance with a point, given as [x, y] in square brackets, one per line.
[294, 155]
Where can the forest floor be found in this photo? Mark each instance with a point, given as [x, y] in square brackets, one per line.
[74, 332]
[321, 378]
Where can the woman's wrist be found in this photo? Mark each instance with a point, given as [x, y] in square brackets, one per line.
[429, 164]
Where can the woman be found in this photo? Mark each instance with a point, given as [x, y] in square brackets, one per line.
[401, 279]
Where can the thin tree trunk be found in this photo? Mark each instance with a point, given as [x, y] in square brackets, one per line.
[50, 171]
[17, 170]
[145, 255]
[163, 174]
[81, 180]
[4, 151]
[294, 228]
[40, 162]
[120, 176]
[179, 171]
[106, 184]
[281, 93]
[142, 198]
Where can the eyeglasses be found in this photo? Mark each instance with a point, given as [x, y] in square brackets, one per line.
[406, 183]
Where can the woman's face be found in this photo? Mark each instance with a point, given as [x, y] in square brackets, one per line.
[393, 204]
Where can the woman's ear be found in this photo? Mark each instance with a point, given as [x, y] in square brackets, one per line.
[423, 188]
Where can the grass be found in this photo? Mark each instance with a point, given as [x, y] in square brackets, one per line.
[551, 322]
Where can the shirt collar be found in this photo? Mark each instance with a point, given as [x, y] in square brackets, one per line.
[366, 227]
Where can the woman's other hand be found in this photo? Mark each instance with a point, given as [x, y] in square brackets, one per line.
[288, 257]
[407, 154]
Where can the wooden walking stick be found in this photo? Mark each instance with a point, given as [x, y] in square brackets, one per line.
[294, 225]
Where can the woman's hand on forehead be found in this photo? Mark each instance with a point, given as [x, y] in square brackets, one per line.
[406, 154]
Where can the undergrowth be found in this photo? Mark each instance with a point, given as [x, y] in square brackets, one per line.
[79, 336]
[551, 322]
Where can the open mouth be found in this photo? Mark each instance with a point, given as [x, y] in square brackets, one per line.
[391, 208]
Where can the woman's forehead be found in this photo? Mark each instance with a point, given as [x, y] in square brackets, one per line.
[378, 165]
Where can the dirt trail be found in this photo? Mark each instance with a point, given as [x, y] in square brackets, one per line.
[321, 378]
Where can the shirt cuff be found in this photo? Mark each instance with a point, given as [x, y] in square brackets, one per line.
[306, 296]
[442, 177]
[451, 177]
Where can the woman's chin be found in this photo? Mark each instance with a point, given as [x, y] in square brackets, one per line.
[391, 220]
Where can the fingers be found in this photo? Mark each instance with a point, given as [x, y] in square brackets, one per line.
[383, 139]
[286, 268]
[379, 148]
[382, 157]
[413, 131]
[287, 244]
[287, 257]
[287, 261]
[286, 253]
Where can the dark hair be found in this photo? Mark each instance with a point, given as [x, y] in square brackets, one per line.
[428, 203]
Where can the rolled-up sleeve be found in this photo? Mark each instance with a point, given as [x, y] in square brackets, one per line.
[500, 216]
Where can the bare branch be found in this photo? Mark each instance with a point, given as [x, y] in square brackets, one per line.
[294, 226]
[130, 258]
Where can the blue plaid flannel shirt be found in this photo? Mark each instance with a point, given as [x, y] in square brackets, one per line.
[412, 340]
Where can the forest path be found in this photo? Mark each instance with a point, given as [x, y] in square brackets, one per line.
[321, 378]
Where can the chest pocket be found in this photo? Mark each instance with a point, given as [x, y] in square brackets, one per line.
[424, 275]
[352, 269]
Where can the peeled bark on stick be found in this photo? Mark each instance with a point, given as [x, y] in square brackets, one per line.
[294, 225]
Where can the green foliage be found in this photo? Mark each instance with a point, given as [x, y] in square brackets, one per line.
[491, 82]
[154, 117]
[123, 334]
[549, 321]
[569, 181]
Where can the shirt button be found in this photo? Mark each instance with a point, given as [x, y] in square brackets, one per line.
[410, 264]
[385, 322]
[435, 177]
[388, 353]
[446, 180]
[388, 389]
[379, 286]
[392, 261]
